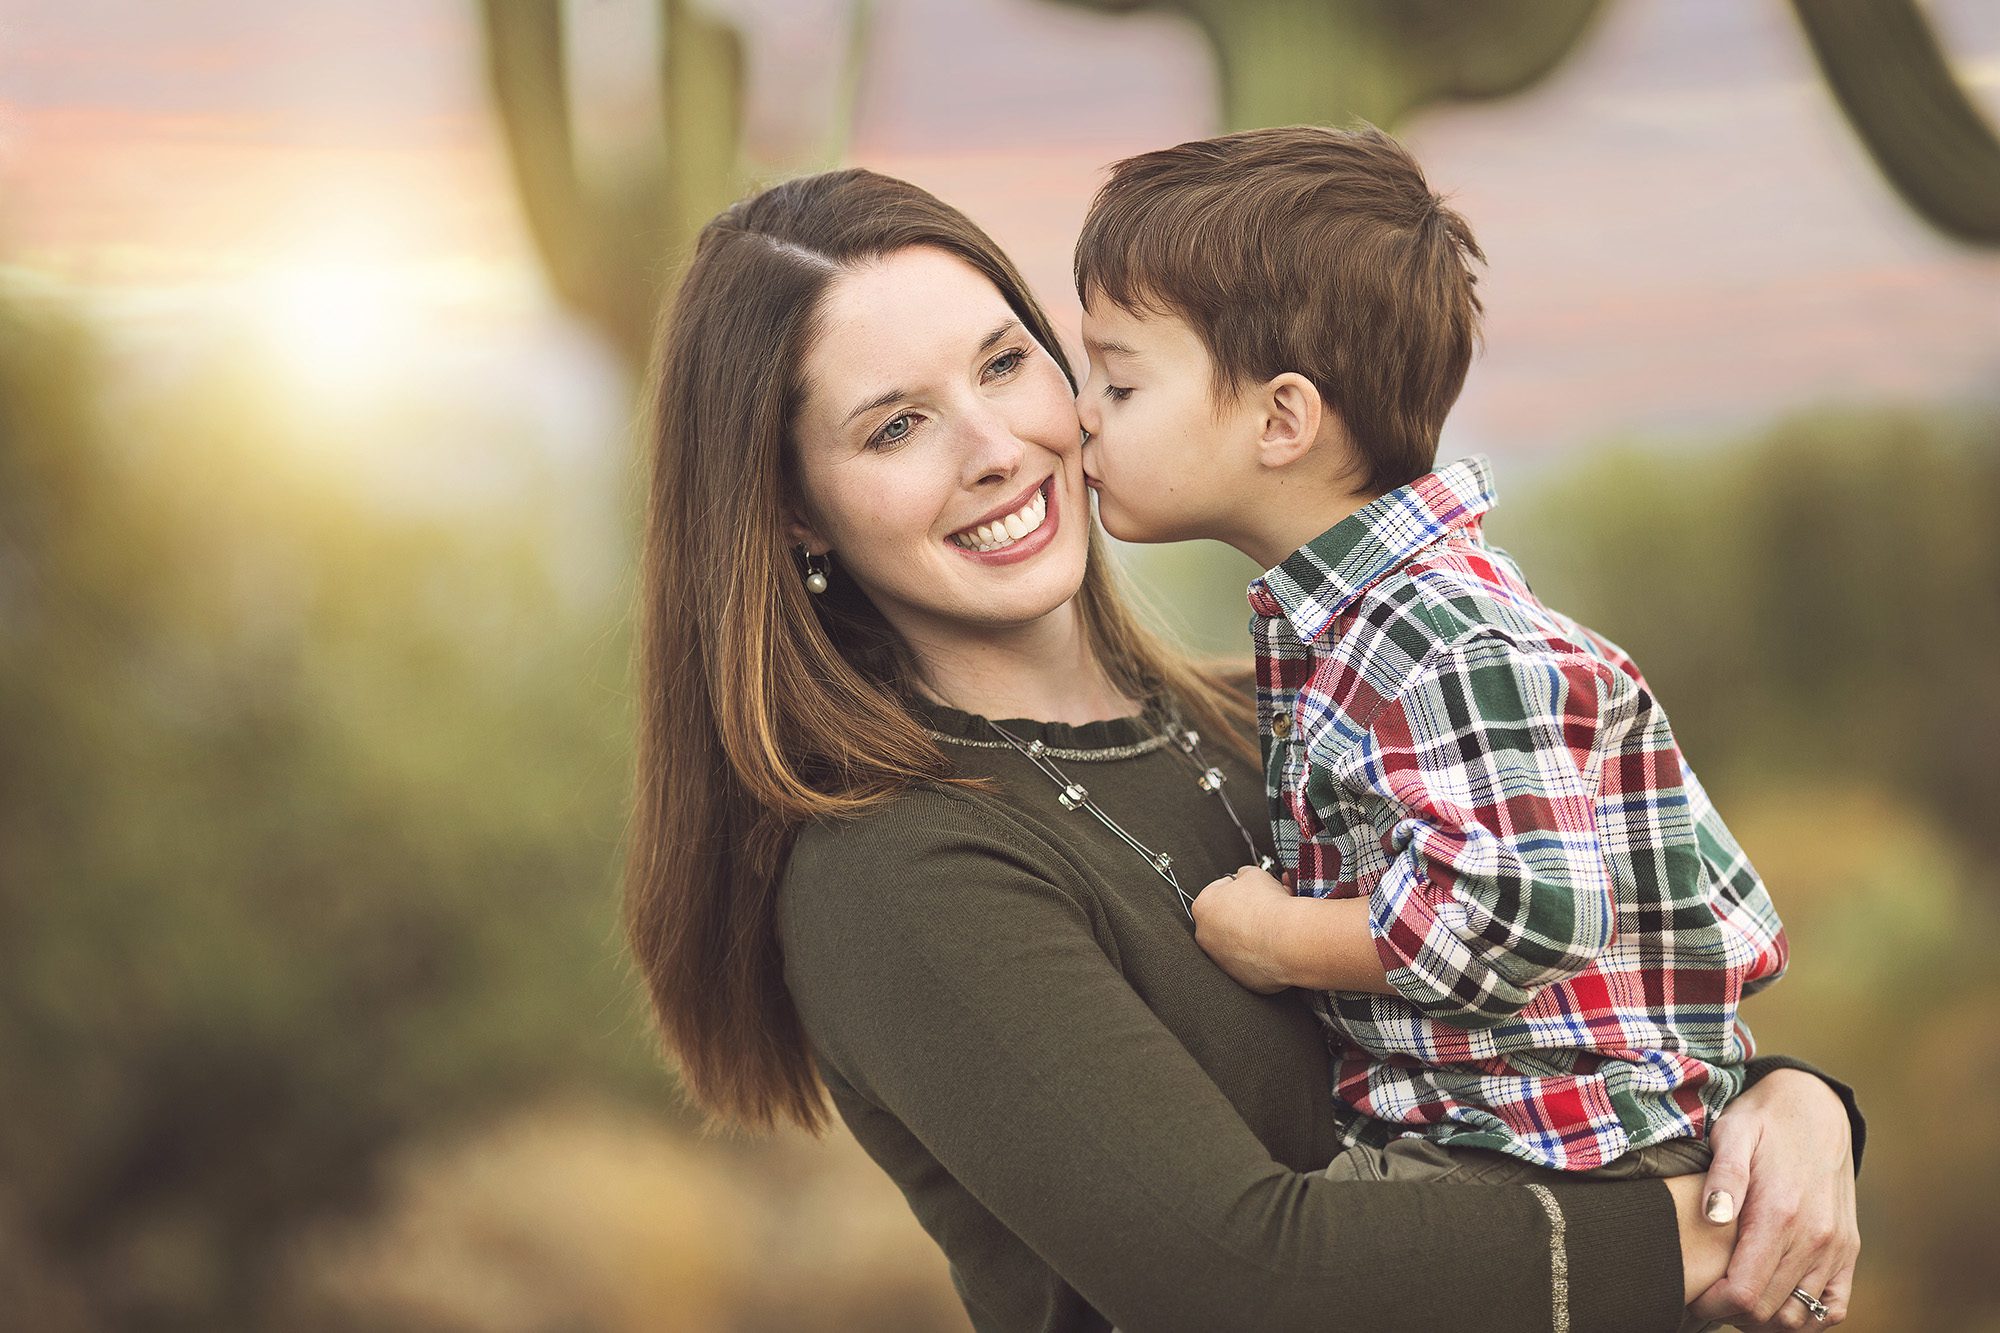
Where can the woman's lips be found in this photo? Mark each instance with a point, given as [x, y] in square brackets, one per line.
[1027, 546]
[1019, 502]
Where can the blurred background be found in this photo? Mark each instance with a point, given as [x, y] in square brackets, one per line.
[320, 328]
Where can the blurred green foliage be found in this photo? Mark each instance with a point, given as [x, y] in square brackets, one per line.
[1822, 599]
[308, 834]
[309, 810]
[1819, 609]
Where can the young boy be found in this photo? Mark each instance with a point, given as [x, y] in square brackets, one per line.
[1530, 928]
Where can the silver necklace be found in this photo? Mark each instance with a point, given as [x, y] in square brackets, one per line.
[1073, 795]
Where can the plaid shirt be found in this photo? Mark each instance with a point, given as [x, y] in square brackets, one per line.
[1566, 921]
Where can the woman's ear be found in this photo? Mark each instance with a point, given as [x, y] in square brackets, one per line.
[1293, 415]
[799, 531]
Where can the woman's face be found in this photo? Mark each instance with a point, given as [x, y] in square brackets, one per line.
[939, 452]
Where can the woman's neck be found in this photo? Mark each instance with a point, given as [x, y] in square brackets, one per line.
[1047, 671]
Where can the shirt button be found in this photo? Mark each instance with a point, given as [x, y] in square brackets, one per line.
[1281, 725]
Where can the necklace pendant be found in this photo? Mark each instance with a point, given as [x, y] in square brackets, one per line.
[1164, 864]
[1211, 780]
[1072, 796]
[1035, 748]
[1189, 740]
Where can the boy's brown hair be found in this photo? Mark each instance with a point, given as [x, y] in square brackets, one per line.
[1305, 249]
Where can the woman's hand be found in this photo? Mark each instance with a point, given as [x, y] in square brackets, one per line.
[1784, 1157]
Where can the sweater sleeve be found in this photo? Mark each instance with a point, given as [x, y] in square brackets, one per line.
[1857, 1124]
[962, 990]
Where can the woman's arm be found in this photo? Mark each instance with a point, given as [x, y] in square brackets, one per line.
[950, 982]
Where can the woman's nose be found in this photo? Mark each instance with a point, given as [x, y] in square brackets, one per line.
[995, 451]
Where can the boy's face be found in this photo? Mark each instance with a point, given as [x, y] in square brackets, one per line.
[1162, 455]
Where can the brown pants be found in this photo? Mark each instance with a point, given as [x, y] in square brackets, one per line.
[1420, 1159]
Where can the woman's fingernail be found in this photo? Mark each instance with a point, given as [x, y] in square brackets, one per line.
[1720, 1207]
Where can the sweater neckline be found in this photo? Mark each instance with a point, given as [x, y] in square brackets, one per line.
[1107, 734]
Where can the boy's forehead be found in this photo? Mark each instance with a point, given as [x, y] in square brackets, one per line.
[1112, 329]
[1117, 328]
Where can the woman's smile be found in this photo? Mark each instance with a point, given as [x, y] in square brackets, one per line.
[1016, 532]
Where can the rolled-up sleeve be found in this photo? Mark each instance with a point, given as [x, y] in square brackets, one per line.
[1485, 771]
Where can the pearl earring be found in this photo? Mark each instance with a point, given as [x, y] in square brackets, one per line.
[815, 570]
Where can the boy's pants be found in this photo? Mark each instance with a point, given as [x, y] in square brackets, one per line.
[1420, 1159]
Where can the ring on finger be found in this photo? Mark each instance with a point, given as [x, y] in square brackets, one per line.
[1814, 1306]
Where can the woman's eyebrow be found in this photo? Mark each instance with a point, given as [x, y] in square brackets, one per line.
[993, 339]
[878, 401]
[986, 344]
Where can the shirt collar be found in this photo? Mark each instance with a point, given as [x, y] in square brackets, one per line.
[1321, 579]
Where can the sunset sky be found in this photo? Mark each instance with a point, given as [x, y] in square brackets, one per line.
[1682, 233]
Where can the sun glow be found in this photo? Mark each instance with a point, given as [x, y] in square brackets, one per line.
[335, 310]
[338, 322]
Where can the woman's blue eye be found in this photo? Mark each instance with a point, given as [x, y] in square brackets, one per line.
[894, 429]
[1006, 362]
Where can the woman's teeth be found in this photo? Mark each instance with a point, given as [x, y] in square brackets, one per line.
[1004, 532]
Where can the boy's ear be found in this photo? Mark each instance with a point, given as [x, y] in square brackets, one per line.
[1293, 414]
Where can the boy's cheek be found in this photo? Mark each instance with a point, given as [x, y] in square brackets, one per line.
[1108, 516]
[1113, 518]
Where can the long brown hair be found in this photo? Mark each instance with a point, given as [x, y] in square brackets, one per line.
[760, 707]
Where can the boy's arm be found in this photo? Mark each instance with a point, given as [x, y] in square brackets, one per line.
[1253, 927]
[1489, 763]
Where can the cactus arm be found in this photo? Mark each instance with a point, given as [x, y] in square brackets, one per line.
[1282, 64]
[610, 250]
[524, 65]
[853, 72]
[1331, 61]
[1889, 75]
[702, 69]
[1488, 50]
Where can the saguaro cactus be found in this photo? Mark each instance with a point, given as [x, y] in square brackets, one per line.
[611, 247]
[1287, 61]
[1889, 75]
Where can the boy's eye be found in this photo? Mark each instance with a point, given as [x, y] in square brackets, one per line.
[1116, 394]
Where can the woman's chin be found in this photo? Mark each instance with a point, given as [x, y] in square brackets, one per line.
[1024, 593]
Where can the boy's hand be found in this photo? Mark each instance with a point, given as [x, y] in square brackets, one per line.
[1238, 921]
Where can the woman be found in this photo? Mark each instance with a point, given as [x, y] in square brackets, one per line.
[868, 539]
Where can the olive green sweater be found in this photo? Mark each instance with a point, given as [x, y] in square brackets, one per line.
[1097, 1125]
